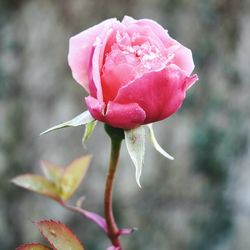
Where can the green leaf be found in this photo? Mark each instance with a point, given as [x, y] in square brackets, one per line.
[33, 246]
[81, 119]
[89, 128]
[52, 172]
[155, 143]
[73, 176]
[58, 183]
[37, 184]
[59, 235]
[135, 141]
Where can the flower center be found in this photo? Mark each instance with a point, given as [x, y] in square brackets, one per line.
[129, 58]
[140, 52]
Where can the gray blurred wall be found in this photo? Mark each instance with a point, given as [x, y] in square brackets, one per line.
[199, 201]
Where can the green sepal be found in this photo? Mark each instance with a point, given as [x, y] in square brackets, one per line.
[82, 119]
[89, 128]
[135, 141]
[156, 144]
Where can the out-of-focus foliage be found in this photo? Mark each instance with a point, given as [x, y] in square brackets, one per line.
[59, 184]
[33, 246]
[57, 234]
[198, 201]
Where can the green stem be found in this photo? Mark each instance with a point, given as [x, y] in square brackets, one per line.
[116, 135]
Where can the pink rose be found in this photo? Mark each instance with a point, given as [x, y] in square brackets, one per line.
[134, 72]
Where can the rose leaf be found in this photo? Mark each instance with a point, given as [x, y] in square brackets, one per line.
[52, 172]
[59, 235]
[37, 184]
[73, 176]
[33, 246]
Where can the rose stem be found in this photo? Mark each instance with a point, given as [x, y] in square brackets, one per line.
[116, 135]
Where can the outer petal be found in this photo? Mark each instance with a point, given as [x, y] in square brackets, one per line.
[95, 66]
[159, 94]
[124, 116]
[115, 76]
[156, 28]
[183, 59]
[80, 47]
[96, 108]
[127, 19]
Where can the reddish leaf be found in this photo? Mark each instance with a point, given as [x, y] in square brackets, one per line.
[33, 246]
[59, 235]
[73, 176]
[37, 184]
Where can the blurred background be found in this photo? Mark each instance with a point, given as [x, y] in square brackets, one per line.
[199, 201]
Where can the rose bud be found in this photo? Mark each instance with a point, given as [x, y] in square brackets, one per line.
[134, 72]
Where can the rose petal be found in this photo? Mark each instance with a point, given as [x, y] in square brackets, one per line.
[114, 76]
[124, 116]
[159, 94]
[144, 34]
[190, 81]
[183, 56]
[183, 59]
[94, 74]
[97, 63]
[96, 108]
[127, 19]
[156, 28]
[80, 47]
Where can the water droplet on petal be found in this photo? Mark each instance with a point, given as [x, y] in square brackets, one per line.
[52, 232]
[97, 42]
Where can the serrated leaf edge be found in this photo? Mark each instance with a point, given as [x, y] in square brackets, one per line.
[32, 244]
[56, 222]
